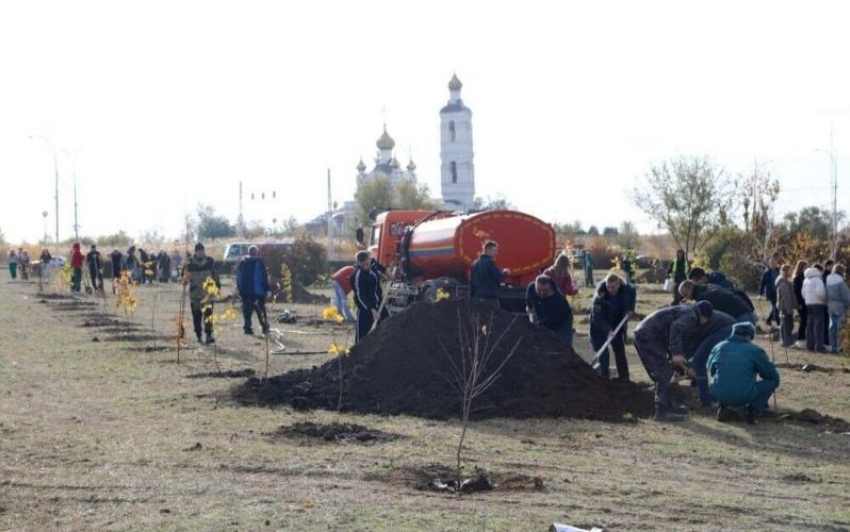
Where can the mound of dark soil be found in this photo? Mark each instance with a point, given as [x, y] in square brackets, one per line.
[442, 478]
[335, 432]
[404, 367]
[299, 294]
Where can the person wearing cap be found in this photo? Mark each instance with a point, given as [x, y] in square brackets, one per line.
[720, 298]
[660, 341]
[198, 269]
[549, 308]
[252, 281]
[733, 368]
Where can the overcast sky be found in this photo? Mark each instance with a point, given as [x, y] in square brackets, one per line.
[172, 103]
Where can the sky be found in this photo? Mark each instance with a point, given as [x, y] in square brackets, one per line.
[159, 106]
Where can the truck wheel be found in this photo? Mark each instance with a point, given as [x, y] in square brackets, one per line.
[429, 293]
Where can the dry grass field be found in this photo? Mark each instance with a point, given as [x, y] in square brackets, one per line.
[113, 434]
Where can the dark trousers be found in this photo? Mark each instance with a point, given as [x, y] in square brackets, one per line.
[786, 329]
[76, 279]
[758, 400]
[365, 321]
[825, 325]
[251, 304]
[653, 355]
[677, 297]
[96, 279]
[774, 312]
[618, 345]
[815, 326]
[804, 318]
[699, 362]
[202, 317]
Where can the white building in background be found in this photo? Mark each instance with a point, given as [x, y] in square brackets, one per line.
[457, 171]
[386, 164]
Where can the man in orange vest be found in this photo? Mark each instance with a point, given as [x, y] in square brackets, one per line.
[341, 283]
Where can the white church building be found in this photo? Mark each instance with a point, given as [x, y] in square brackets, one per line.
[457, 169]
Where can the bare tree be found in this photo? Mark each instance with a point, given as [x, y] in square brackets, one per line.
[689, 197]
[470, 369]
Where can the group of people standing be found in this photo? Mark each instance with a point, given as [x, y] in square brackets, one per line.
[820, 297]
[19, 263]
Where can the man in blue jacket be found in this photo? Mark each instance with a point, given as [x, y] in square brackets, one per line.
[613, 301]
[252, 281]
[767, 288]
[732, 370]
[485, 278]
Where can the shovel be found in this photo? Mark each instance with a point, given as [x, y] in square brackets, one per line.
[595, 362]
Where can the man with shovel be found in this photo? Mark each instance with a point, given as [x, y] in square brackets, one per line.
[660, 341]
[613, 302]
[366, 287]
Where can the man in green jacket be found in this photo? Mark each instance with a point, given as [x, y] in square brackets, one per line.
[732, 369]
[199, 273]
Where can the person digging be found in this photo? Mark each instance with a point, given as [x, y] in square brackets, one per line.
[660, 343]
[732, 370]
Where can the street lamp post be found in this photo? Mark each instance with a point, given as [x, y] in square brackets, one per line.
[74, 174]
[56, 176]
[44, 215]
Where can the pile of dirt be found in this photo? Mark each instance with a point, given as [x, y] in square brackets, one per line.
[404, 367]
[814, 418]
[300, 294]
[333, 432]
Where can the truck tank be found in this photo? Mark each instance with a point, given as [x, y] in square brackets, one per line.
[447, 247]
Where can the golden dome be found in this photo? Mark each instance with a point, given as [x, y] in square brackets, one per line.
[385, 142]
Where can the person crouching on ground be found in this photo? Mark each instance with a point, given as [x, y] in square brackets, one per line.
[549, 308]
[613, 301]
[732, 369]
[252, 281]
[365, 284]
[341, 284]
[786, 302]
[660, 343]
[715, 330]
[197, 270]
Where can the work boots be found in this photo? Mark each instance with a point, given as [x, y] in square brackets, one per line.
[210, 339]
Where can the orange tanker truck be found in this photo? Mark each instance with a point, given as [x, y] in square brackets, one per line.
[427, 252]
